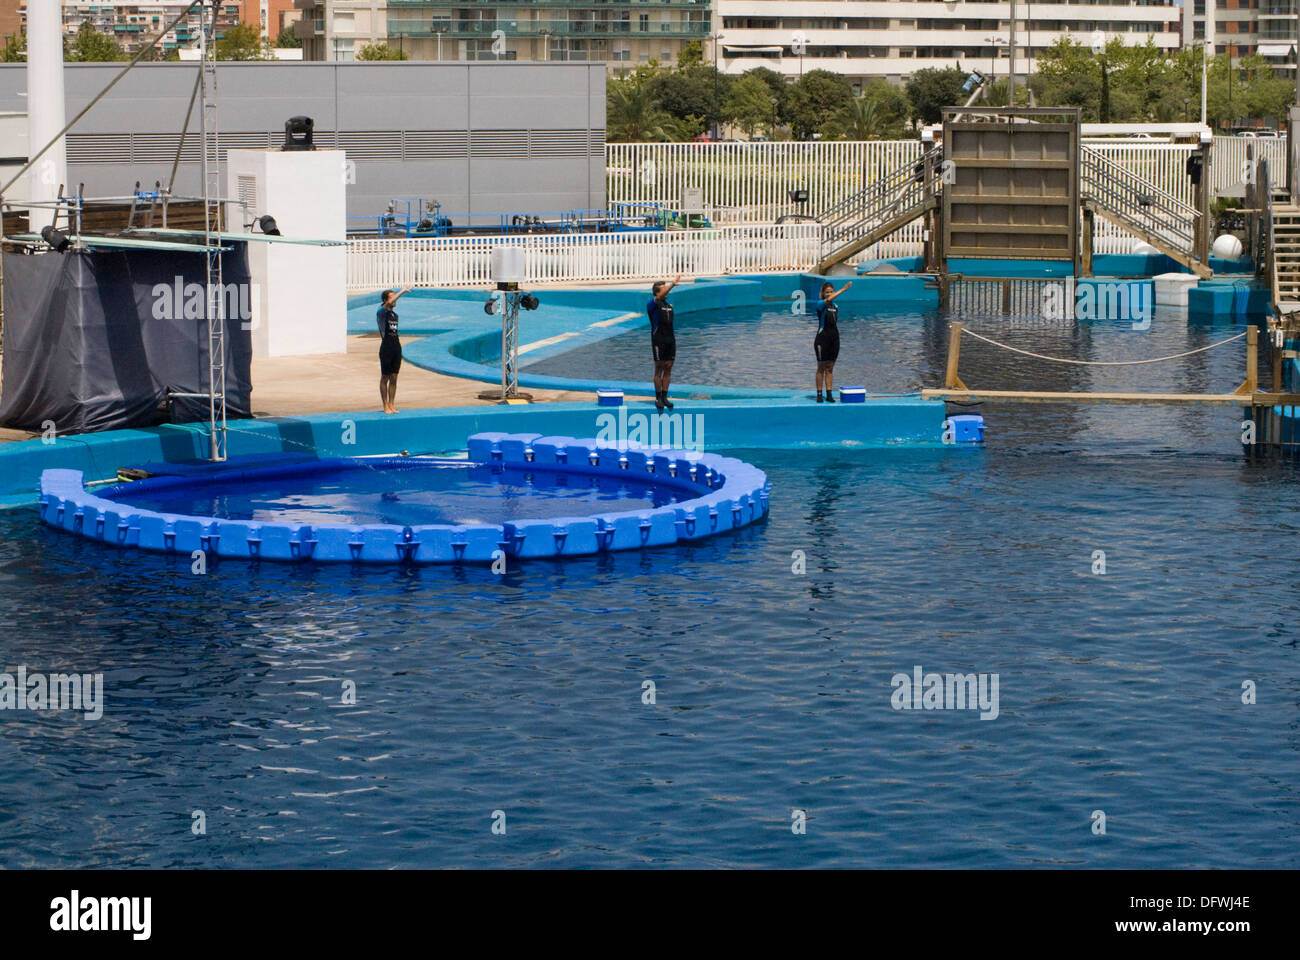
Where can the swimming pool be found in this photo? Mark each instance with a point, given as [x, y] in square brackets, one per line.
[1119, 691]
[891, 349]
[441, 493]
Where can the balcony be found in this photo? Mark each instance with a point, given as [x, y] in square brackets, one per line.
[458, 29]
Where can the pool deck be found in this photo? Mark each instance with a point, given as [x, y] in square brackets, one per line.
[346, 383]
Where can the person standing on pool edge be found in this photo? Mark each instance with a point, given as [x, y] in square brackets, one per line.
[827, 342]
[390, 348]
[663, 342]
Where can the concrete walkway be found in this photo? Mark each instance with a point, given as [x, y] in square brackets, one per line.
[338, 383]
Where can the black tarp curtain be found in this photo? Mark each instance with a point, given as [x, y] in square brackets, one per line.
[96, 340]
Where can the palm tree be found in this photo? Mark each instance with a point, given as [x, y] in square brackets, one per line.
[865, 119]
[634, 117]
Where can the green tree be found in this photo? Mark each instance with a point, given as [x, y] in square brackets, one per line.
[777, 87]
[634, 116]
[690, 55]
[1067, 77]
[816, 99]
[876, 115]
[749, 104]
[381, 51]
[15, 49]
[242, 42]
[692, 92]
[288, 40]
[89, 45]
[930, 90]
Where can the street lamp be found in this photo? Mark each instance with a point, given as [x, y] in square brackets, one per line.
[440, 29]
[546, 43]
[995, 42]
[775, 118]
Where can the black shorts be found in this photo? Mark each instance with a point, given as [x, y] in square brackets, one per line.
[390, 357]
[827, 348]
[665, 349]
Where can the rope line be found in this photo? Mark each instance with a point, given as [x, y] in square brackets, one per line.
[1102, 363]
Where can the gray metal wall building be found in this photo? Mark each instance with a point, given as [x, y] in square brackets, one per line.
[481, 137]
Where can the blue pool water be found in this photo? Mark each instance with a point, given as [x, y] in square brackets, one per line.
[415, 496]
[1119, 692]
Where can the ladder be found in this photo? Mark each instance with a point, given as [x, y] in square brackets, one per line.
[212, 223]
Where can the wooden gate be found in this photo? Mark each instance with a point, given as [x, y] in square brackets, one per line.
[1011, 183]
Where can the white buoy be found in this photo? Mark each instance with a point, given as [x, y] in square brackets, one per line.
[1226, 247]
[45, 107]
[1143, 249]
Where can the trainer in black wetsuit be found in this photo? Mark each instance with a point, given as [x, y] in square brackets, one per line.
[390, 348]
[826, 345]
[663, 342]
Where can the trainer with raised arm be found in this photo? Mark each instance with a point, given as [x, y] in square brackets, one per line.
[663, 342]
[826, 345]
[390, 348]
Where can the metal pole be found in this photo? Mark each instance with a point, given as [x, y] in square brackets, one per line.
[1011, 44]
[215, 289]
[1204, 76]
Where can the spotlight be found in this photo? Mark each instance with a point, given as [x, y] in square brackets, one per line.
[297, 134]
[528, 302]
[267, 225]
[55, 238]
[799, 195]
[491, 306]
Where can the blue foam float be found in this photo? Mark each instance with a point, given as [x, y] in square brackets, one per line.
[723, 494]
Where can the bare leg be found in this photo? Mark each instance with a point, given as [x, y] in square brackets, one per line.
[821, 375]
[830, 375]
[668, 375]
[383, 392]
[392, 394]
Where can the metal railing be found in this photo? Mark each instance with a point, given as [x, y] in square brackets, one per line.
[1265, 260]
[578, 258]
[1138, 202]
[885, 198]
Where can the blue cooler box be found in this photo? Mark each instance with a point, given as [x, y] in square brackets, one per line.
[853, 394]
[966, 427]
[609, 398]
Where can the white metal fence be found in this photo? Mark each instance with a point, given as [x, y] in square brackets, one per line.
[746, 188]
[1228, 158]
[750, 182]
[594, 257]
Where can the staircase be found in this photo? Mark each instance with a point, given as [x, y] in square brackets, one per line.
[1286, 256]
[888, 203]
[1139, 206]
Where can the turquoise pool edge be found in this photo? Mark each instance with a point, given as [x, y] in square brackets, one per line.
[715, 425]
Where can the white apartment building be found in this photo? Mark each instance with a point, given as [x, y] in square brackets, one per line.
[134, 24]
[892, 39]
[1242, 28]
[334, 30]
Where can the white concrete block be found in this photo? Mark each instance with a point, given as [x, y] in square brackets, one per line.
[1171, 288]
[300, 296]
